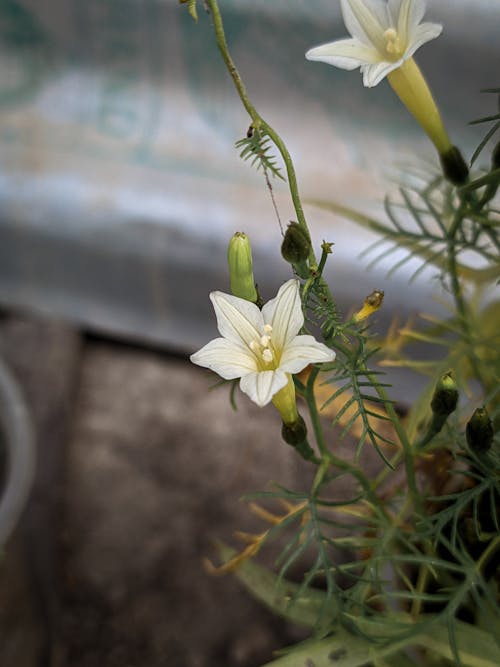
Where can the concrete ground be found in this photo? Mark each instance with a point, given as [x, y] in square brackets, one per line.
[140, 468]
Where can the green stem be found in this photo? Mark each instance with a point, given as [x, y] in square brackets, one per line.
[487, 553]
[314, 413]
[460, 304]
[257, 120]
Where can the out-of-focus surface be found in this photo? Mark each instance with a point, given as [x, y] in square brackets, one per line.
[119, 182]
[139, 470]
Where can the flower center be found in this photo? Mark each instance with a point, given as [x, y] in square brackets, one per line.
[393, 45]
[263, 349]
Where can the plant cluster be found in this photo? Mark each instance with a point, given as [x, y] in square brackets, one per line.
[403, 569]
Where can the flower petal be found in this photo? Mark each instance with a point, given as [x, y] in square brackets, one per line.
[304, 350]
[422, 34]
[373, 74]
[261, 387]
[284, 314]
[225, 358]
[345, 53]
[406, 14]
[367, 21]
[238, 320]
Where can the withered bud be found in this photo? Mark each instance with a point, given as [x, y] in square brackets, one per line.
[370, 305]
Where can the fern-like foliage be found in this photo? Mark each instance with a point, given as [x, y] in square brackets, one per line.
[423, 222]
[256, 147]
[494, 118]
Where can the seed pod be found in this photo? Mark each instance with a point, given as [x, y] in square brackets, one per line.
[294, 434]
[239, 259]
[479, 431]
[454, 166]
[296, 244]
[445, 398]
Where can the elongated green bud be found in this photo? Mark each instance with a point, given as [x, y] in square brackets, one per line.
[445, 398]
[454, 166]
[479, 431]
[296, 245]
[239, 259]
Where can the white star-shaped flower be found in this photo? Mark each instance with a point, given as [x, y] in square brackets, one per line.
[384, 36]
[262, 347]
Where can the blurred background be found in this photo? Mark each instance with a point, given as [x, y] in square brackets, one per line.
[119, 188]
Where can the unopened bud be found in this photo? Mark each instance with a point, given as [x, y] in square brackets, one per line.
[479, 431]
[296, 244]
[239, 259]
[454, 166]
[370, 305]
[445, 398]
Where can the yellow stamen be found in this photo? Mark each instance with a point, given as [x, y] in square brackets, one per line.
[393, 44]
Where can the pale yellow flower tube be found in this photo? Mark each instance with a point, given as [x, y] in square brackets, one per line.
[411, 87]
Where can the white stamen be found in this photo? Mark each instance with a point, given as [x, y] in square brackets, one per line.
[265, 340]
[267, 355]
[254, 346]
[268, 328]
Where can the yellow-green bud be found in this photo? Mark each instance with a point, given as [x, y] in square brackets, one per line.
[479, 431]
[239, 259]
[454, 166]
[445, 398]
[296, 244]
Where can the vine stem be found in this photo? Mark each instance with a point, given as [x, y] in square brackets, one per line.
[260, 124]
[257, 121]
[456, 289]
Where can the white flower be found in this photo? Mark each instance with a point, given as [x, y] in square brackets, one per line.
[384, 36]
[261, 347]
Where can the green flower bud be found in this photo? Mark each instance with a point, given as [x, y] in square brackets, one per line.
[296, 244]
[454, 166]
[479, 431]
[239, 259]
[445, 398]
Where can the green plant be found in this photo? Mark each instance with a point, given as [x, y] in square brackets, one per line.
[405, 569]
